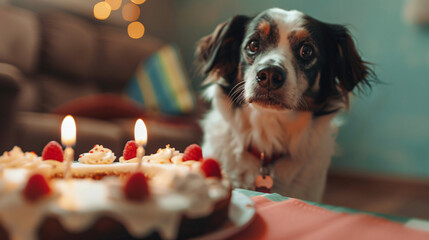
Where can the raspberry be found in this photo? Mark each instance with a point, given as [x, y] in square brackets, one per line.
[211, 168]
[130, 150]
[37, 187]
[136, 187]
[193, 152]
[53, 151]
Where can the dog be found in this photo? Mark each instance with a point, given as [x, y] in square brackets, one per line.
[275, 82]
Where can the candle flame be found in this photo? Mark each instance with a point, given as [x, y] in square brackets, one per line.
[140, 132]
[68, 131]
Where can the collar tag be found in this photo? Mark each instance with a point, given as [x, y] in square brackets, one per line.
[264, 182]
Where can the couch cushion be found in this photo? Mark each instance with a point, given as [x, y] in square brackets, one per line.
[69, 46]
[101, 106]
[19, 41]
[83, 51]
[55, 91]
[28, 98]
[161, 83]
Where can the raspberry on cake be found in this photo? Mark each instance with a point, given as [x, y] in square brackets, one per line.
[53, 151]
[36, 188]
[211, 168]
[136, 187]
[193, 152]
[130, 150]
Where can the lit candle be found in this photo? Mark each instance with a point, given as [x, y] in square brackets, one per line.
[140, 135]
[68, 139]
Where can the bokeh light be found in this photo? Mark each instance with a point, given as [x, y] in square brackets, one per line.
[136, 30]
[102, 10]
[114, 4]
[130, 12]
[138, 1]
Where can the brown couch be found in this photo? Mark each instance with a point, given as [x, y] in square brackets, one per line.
[49, 59]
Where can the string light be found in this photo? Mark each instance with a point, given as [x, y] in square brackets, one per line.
[114, 4]
[136, 30]
[130, 12]
[138, 1]
[102, 10]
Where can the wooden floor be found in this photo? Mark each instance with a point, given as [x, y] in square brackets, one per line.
[390, 196]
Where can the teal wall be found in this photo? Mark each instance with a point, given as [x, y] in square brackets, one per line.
[386, 132]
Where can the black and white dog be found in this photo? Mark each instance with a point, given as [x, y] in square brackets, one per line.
[277, 81]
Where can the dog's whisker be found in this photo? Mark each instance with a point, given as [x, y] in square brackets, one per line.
[239, 99]
[238, 95]
[237, 91]
[235, 94]
[237, 86]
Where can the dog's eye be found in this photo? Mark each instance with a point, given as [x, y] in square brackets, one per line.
[306, 51]
[253, 46]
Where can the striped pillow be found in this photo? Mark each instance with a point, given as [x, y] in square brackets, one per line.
[161, 83]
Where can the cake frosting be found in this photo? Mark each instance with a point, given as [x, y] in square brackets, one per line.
[74, 204]
[16, 158]
[98, 155]
[163, 155]
[178, 188]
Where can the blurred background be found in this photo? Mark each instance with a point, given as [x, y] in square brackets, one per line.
[103, 62]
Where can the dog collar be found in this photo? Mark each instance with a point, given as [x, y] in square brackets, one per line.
[266, 159]
[263, 182]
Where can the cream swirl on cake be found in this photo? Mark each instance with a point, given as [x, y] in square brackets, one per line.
[167, 155]
[16, 158]
[162, 156]
[98, 155]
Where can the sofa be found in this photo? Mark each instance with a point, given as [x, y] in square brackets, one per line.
[51, 58]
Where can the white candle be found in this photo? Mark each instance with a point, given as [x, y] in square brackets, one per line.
[68, 139]
[140, 135]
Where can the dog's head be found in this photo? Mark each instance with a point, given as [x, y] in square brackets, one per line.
[283, 60]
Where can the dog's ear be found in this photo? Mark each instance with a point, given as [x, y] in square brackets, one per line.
[348, 66]
[219, 52]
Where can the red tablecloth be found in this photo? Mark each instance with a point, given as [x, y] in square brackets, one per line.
[294, 219]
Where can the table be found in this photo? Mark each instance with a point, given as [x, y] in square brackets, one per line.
[279, 217]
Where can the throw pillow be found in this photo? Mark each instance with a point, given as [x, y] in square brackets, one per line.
[161, 83]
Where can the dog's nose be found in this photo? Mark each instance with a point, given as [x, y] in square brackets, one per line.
[271, 77]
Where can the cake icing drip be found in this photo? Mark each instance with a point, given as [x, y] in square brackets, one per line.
[98, 155]
[75, 206]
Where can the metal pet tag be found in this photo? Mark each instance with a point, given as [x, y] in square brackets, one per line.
[266, 182]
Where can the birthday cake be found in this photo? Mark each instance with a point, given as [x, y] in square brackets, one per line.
[170, 195]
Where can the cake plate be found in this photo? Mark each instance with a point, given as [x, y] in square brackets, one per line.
[241, 214]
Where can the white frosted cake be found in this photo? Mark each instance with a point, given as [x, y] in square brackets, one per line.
[168, 198]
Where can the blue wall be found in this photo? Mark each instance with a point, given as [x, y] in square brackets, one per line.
[387, 131]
